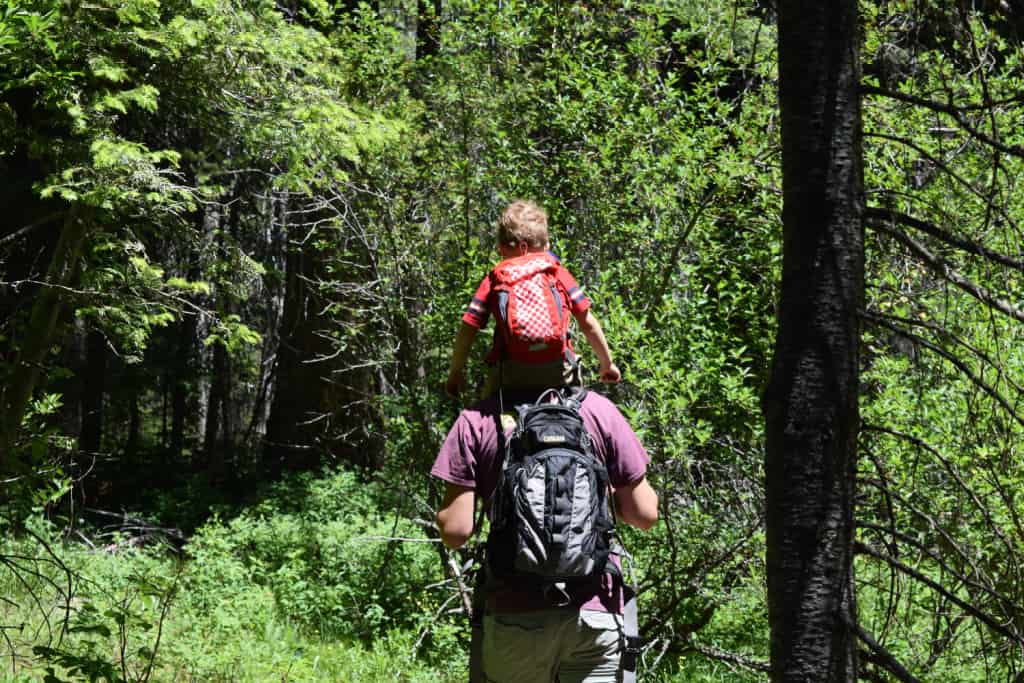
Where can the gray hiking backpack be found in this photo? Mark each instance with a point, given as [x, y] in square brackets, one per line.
[552, 523]
[551, 519]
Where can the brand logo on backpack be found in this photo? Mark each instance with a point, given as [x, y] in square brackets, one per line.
[551, 519]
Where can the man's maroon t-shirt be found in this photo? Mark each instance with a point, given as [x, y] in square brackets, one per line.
[469, 457]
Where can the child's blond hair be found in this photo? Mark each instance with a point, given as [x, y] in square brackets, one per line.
[523, 221]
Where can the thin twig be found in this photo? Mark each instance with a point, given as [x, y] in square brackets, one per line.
[956, 113]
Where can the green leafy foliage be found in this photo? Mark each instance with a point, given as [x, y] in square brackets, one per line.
[323, 547]
[307, 584]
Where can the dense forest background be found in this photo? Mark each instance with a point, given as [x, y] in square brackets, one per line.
[237, 239]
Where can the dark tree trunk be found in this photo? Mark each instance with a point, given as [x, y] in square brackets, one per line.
[810, 405]
[35, 342]
[131, 446]
[217, 437]
[274, 293]
[294, 429]
[90, 438]
[428, 29]
[230, 418]
[165, 393]
[182, 377]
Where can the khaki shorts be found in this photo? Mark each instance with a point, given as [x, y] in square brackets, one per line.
[515, 375]
[574, 646]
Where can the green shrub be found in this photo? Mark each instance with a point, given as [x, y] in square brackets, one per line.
[323, 548]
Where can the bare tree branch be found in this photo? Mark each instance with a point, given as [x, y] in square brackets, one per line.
[956, 113]
[952, 471]
[24, 230]
[934, 556]
[945, 168]
[720, 655]
[944, 332]
[889, 216]
[953, 360]
[941, 267]
[882, 656]
[864, 549]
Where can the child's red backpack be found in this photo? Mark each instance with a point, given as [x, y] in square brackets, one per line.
[532, 312]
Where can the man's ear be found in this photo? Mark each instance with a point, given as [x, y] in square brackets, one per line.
[523, 248]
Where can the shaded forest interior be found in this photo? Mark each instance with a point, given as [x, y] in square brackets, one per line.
[238, 238]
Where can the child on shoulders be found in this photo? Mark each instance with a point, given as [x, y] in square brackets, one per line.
[529, 293]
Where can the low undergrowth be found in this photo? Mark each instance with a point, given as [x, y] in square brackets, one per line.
[310, 584]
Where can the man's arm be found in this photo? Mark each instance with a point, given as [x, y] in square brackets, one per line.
[594, 334]
[456, 371]
[637, 504]
[455, 518]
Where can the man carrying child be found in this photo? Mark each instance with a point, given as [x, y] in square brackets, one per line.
[525, 636]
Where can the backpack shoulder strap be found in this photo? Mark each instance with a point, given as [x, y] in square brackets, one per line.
[573, 396]
[631, 632]
[630, 616]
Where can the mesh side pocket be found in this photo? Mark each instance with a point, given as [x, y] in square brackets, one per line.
[530, 506]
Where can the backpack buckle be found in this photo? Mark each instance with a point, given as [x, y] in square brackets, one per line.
[557, 595]
[630, 652]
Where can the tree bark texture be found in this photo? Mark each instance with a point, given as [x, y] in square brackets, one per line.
[134, 388]
[810, 405]
[218, 436]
